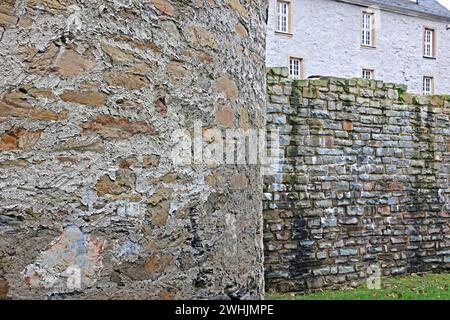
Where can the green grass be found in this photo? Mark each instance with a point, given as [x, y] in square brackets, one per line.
[414, 287]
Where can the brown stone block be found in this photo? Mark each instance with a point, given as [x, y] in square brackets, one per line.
[328, 142]
[163, 6]
[7, 6]
[15, 104]
[117, 127]
[71, 159]
[4, 288]
[19, 139]
[226, 86]
[176, 71]
[127, 163]
[71, 64]
[91, 98]
[136, 43]
[159, 214]
[225, 116]
[150, 161]
[204, 57]
[124, 183]
[7, 20]
[241, 30]
[395, 186]
[272, 214]
[415, 215]
[160, 106]
[130, 79]
[348, 125]
[170, 178]
[158, 263]
[202, 37]
[239, 182]
[40, 62]
[41, 93]
[118, 55]
[160, 195]
[437, 101]
[167, 294]
[25, 22]
[244, 121]
[13, 163]
[385, 210]
[238, 7]
[51, 4]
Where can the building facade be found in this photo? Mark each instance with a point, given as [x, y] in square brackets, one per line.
[398, 41]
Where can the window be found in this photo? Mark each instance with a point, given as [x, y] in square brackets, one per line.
[295, 68]
[428, 85]
[368, 33]
[429, 42]
[368, 74]
[283, 15]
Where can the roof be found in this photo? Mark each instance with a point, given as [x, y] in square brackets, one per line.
[431, 9]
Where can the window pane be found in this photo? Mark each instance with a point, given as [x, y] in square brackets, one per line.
[295, 68]
[282, 16]
[427, 85]
[367, 29]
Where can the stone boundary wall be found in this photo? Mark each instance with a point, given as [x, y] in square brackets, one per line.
[92, 205]
[361, 184]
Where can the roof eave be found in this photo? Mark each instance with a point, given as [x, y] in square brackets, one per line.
[403, 11]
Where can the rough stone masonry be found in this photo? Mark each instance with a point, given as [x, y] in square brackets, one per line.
[91, 205]
[361, 186]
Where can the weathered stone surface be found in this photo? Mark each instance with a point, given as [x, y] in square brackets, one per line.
[159, 206]
[65, 62]
[4, 288]
[70, 263]
[361, 178]
[93, 97]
